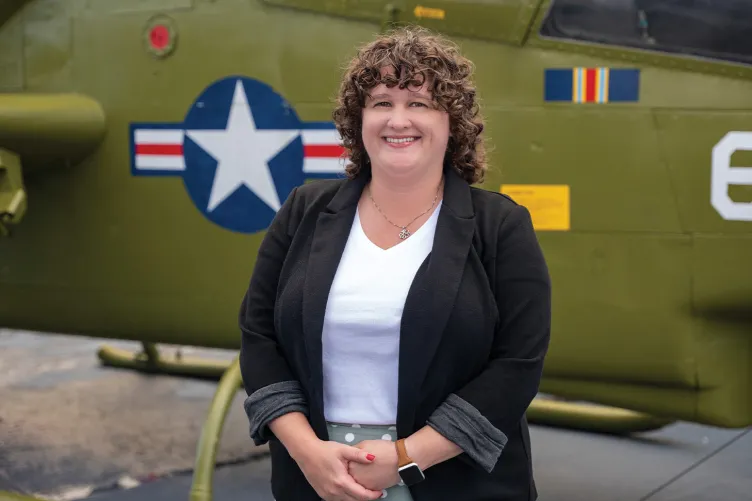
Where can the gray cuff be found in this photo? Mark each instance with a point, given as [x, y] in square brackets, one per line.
[464, 425]
[270, 402]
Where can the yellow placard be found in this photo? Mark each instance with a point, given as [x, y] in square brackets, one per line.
[548, 204]
[428, 12]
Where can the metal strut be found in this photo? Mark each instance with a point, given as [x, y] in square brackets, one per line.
[12, 192]
[206, 451]
[151, 361]
[595, 418]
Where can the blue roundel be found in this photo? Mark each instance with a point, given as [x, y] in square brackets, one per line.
[243, 153]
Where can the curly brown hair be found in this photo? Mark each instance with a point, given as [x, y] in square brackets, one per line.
[416, 55]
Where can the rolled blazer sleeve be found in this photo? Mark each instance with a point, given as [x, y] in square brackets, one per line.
[481, 415]
[269, 383]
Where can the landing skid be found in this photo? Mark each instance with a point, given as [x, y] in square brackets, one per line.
[593, 418]
[151, 361]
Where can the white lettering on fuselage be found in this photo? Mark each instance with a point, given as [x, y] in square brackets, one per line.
[723, 175]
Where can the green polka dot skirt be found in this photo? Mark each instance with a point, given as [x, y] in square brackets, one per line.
[351, 434]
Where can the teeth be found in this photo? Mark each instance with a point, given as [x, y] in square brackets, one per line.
[401, 140]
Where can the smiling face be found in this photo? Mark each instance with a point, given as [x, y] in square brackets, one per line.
[404, 131]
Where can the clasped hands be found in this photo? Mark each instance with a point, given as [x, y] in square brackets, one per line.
[340, 472]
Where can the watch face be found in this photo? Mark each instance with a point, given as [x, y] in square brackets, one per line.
[411, 474]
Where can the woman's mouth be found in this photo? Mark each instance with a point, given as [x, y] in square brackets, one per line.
[401, 142]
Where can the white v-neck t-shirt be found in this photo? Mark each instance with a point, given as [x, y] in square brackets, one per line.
[361, 333]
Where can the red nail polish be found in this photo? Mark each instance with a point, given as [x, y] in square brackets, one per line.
[370, 457]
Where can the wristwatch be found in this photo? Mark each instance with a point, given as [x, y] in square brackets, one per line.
[409, 470]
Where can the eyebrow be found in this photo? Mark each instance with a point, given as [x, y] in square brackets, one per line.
[387, 96]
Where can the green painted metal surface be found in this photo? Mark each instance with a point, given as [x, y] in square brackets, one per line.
[652, 284]
[49, 129]
[11, 57]
[8, 9]
[12, 193]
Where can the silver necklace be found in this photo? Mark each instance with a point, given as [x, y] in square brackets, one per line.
[404, 232]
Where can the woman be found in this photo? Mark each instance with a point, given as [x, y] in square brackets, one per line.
[395, 327]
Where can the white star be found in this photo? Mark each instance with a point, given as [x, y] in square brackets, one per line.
[242, 153]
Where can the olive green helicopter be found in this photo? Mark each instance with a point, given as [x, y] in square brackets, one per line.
[131, 205]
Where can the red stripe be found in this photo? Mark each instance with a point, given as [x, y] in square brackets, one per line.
[159, 149]
[590, 86]
[323, 151]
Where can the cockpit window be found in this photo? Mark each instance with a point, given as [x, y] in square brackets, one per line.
[719, 29]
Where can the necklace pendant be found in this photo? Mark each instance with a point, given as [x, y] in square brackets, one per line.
[404, 233]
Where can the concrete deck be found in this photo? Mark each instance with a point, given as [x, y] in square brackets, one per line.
[71, 429]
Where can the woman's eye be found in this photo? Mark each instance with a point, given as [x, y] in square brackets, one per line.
[382, 103]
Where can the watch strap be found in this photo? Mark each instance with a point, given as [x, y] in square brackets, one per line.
[402, 457]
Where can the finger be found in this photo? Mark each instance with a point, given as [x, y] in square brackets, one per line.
[357, 455]
[359, 493]
[353, 491]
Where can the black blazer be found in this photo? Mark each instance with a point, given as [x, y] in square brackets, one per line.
[476, 323]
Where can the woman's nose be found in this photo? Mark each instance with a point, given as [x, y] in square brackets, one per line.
[399, 118]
